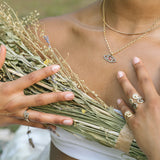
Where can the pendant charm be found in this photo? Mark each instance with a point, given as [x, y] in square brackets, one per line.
[110, 58]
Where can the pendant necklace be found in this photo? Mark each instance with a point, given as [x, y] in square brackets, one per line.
[110, 57]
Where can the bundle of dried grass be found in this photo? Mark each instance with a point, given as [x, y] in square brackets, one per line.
[26, 53]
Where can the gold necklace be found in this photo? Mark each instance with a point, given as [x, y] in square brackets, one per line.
[130, 34]
[110, 58]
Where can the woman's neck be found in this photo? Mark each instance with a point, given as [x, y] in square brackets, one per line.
[132, 15]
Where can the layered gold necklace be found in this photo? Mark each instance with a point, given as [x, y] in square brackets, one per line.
[110, 57]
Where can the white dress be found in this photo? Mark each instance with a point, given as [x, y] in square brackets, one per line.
[83, 149]
[75, 146]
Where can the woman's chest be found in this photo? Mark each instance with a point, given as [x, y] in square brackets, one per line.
[100, 76]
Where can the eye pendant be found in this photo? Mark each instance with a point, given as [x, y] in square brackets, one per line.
[110, 58]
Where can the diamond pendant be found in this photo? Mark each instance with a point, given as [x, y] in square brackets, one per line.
[110, 58]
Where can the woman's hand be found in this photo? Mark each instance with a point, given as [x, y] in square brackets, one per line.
[13, 102]
[143, 119]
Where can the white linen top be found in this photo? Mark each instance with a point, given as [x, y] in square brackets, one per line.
[82, 149]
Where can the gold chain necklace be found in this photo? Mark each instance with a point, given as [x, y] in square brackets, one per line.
[130, 34]
[110, 58]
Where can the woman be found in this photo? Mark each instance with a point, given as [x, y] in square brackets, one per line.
[81, 34]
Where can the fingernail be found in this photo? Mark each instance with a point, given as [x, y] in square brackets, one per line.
[120, 74]
[0, 48]
[67, 122]
[136, 60]
[55, 68]
[119, 101]
[69, 96]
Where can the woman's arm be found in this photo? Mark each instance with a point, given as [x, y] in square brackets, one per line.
[143, 119]
[13, 102]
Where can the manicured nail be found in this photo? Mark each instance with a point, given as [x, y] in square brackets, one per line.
[120, 74]
[67, 122]
[1, 49]
[69, 96]
[136, 60]
[55, 68]
[119, 101]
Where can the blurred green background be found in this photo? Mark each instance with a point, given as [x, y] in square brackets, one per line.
[47, 7]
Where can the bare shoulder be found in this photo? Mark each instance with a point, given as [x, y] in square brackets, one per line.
[58, 29]
[67, 30]
[63, 33]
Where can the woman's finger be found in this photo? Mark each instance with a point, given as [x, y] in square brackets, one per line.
[13, 120]
[2, 55]
[34, 77]
[126, 111]
[127, 87]
[144, 79]
[38, 100]
[39, 117]
[45, 118]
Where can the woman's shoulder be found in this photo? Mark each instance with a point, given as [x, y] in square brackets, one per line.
[56, 28]
[69, 27]
[62, 31]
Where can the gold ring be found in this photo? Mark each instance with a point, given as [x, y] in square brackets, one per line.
[135, 100]
[127, 115]
[26, 116]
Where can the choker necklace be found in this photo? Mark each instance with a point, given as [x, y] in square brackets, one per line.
[109, 57]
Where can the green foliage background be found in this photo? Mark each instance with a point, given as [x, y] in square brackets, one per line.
[47, 7]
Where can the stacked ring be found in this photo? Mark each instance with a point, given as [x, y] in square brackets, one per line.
[135, 100]
[127, 115]
[26, 116]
